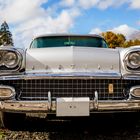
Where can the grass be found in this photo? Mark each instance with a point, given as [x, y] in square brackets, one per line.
[2, 135]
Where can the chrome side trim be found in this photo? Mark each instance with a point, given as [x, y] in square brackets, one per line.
[43, 107]
[12, 77]
[131, 77]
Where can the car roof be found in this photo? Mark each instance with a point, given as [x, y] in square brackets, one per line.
[82, 35]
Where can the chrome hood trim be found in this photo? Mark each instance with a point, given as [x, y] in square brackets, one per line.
[62, 76]
[75, 75]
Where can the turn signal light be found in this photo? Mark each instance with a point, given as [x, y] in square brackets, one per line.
[135, 91]
[6, 92]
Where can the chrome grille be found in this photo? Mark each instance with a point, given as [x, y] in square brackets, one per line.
[38, 89]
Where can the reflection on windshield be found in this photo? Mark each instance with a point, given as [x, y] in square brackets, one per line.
[66, 41]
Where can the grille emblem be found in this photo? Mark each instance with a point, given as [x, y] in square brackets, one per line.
[110, 88]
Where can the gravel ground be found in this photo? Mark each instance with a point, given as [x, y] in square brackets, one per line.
[97, 127]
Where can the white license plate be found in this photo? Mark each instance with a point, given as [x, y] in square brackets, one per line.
[72, 107]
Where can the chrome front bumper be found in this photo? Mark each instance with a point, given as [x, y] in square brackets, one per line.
[45, 107]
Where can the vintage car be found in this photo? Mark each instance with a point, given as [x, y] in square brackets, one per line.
[68, 75]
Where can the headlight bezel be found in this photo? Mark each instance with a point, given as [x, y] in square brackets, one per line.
[128, 63]
[4, 67]
[16, 60]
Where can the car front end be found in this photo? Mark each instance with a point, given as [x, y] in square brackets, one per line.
[70, 80]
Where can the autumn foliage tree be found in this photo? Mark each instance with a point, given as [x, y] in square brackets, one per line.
[119, 40]
[114, 40]
[5, 35]
[132, 43]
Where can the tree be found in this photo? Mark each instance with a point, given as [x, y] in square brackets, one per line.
[5, 35]
[114, 40]
[121, 40]
[132, 43]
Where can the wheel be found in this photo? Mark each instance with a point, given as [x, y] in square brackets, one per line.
[11, 120]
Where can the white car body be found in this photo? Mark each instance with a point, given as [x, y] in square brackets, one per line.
[73, 80]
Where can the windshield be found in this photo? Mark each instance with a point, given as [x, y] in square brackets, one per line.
[66, 41]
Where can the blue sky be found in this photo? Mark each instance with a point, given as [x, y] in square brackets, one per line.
[104, 19]
[28, 18]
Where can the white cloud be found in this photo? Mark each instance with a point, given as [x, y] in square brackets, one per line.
[135, 4]
[29, 19]
[95, 31]
[67, 2]
[88, 3]
[105, 4]
[101, 4]
[44, 25]
[124, 29]
[15, 11]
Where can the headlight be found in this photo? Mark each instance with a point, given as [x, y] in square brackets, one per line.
[134, 60]
[10, 59]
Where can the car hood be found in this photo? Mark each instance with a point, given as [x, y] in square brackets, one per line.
[73, 59]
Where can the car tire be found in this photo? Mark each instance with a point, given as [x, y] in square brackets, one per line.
[11, 120]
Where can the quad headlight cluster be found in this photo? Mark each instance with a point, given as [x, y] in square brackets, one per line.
[132, 60]
[10, 59]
